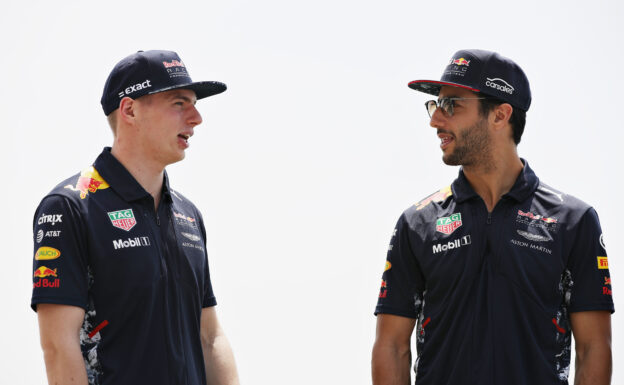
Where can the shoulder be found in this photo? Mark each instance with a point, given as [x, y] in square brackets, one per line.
[567, 209]
[430, 207]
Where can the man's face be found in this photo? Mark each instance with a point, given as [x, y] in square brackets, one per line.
[165, 123]
[465, 138]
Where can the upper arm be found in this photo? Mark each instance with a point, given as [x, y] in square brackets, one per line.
[591, 328]
[394, 330]
[59, 324]
[210, 327]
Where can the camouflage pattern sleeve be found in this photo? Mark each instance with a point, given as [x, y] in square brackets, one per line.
[589, 268]
[209, 298]
[60, 257]
[402, 283]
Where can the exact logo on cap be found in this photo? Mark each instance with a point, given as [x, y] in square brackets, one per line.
[135, 88]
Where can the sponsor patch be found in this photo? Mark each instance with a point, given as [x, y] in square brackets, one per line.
[193, 245]
[537, 220]
[606, 291]
[45, 253]
[39, 236]
[44, 282]
[533, 237]
[388, 266]
[184, 220]
[449, 224]
[437, 196]
[607, 281]
[131, 242]
[53, 219]
[602, 243]
[44, 271]
[123, 219]
[192, 237]
[603, 263]
[450, 245]
[499, 84]
[383, 291]
[460, 62]
[134, 88]
[531, 246]
[89, 181]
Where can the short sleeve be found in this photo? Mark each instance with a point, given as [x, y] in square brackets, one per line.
[60, 274]
[209, 298]
[402, 282]
[589, 268]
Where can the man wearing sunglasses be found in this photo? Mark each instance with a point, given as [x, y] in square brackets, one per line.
[498, 270]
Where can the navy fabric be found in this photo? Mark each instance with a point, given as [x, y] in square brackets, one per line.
[492, 292]
[140, 274]
[482, 71]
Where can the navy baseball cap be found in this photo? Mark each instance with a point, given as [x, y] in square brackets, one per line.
[150, 72]
[482, 71]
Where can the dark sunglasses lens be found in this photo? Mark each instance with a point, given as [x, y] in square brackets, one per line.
[447, 106]
[431, 107]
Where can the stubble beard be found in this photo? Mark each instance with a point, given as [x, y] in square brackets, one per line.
[472, 148]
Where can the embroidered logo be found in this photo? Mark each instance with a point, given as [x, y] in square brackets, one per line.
[122, 219]
[449, 224]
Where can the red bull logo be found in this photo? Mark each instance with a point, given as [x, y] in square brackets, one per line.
[607, 281]
[45, 253]
[182, 216]
[89, 181]
[437, 196]
[461, 62]
[536, 217]
[174, 63]
[603, 263]
[43, 272]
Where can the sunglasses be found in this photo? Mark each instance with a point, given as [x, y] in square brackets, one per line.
[447, 104]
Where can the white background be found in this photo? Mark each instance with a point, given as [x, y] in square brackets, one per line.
[303, 166]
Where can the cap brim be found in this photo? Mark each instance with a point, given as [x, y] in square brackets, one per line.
[202, 89]
[433, 86]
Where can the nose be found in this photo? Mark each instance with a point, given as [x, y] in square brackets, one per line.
[437, 119]
[194, 117]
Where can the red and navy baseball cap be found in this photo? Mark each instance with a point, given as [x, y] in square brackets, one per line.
[150, 72]
[482, 71]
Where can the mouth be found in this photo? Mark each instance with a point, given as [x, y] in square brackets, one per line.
[445, 140]
[184, 136]
[183, 139]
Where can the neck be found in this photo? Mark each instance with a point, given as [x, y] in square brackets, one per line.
[149, 175]
[493, 180]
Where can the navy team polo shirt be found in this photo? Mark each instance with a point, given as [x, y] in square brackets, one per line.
[492, 292]
[140, 274]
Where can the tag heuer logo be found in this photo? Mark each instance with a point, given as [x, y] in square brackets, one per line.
[447, 225]
[123, 219]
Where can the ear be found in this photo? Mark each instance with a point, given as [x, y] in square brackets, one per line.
[126, 110]
[501, 114]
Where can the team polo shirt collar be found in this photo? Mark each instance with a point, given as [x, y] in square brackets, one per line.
[525, 185]
[120, 180]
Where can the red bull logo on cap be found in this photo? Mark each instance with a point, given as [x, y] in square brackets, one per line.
[89, 181]
[460, 62]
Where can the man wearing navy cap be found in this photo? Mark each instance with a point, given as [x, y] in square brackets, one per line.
[121, 283]
[498, 270]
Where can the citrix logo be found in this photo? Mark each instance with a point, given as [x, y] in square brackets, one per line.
[454, 244]
[131, 242]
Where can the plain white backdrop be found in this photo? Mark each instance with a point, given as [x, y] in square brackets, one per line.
[303, 165]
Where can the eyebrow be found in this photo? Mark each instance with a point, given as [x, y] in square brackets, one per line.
[179, 95]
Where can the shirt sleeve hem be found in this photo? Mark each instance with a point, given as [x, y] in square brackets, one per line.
[212, 301]
[57, 301]
[399, 312]
[607, 307]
